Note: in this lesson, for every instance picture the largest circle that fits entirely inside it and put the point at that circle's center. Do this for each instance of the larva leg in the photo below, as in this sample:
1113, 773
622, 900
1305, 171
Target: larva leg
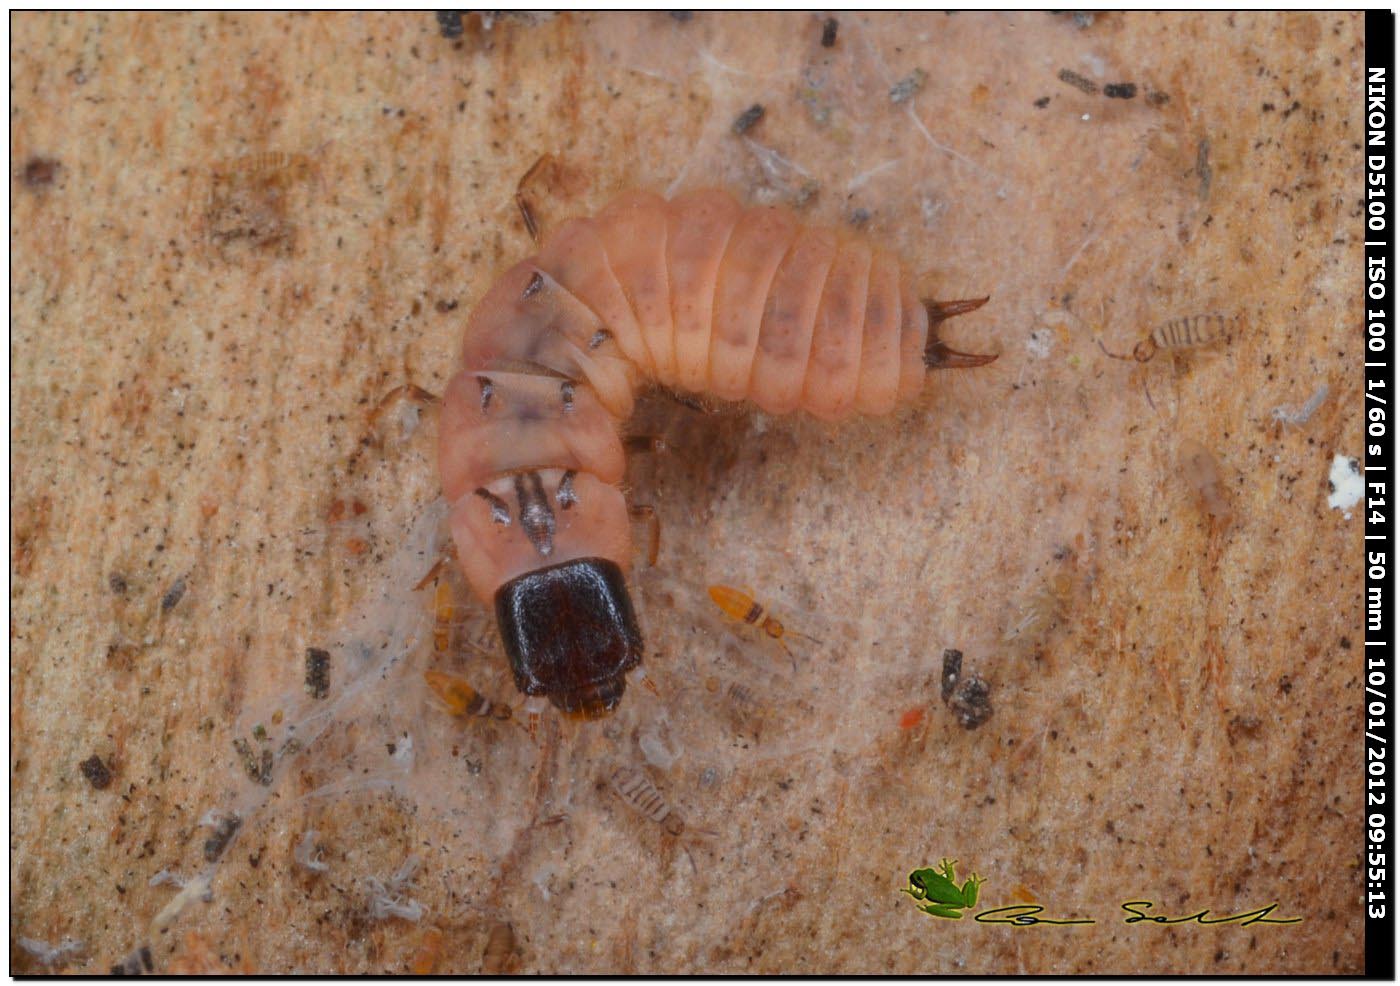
522, 201
404, 392
646, 512
937, 354
407, 391
639, 676
433, 573
534, 708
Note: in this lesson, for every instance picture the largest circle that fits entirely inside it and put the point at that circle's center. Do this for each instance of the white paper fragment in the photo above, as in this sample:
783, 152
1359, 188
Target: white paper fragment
1345, 483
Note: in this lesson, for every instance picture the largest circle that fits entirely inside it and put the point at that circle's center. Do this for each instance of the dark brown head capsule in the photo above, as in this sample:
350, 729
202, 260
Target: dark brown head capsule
571, 634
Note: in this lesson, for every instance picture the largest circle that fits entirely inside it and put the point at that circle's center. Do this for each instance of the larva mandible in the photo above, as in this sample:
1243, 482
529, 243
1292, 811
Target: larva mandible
698, 294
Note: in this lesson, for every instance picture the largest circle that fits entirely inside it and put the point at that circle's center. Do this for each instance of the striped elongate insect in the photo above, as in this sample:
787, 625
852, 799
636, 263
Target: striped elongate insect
635, 787
697, 294
1188, 332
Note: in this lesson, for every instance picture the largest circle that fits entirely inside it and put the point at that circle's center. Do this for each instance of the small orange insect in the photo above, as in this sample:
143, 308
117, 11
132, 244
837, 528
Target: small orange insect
443, 611
462, 699
741, 606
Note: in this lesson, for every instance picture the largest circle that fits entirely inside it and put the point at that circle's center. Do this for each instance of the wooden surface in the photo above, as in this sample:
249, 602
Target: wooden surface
233, 235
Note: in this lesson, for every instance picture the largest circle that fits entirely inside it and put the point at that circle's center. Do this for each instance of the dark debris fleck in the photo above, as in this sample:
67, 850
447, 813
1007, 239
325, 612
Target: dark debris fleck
450, 23
748, 119
215, 845
908, 87
257, 764
318, 672
969, 699
136, 962
1072, 78
971, 703
173, 595
98, 774
40, 172
952, 672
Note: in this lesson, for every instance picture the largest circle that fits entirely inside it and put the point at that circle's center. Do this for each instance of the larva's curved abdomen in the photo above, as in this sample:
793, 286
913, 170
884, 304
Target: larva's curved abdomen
698, 294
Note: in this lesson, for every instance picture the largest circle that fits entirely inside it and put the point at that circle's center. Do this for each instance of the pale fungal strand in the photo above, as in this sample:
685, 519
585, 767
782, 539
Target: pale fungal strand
1301, 415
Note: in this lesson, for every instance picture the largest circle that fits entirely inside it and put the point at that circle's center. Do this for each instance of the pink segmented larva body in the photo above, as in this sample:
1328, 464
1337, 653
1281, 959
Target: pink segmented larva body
698, 294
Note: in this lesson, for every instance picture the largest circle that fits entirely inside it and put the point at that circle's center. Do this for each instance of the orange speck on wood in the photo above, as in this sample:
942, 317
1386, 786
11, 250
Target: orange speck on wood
911, 718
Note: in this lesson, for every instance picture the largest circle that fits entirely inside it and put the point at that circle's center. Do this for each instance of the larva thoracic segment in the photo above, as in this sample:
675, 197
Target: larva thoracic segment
697, 294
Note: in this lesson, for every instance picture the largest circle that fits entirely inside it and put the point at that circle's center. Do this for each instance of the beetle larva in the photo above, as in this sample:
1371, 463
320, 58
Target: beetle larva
697, 294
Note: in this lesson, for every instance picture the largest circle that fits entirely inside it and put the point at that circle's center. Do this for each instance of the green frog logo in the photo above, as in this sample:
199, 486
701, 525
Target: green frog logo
940, 891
